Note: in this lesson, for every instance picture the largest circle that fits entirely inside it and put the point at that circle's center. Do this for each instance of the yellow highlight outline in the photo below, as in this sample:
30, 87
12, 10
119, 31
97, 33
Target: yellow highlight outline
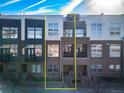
75, 63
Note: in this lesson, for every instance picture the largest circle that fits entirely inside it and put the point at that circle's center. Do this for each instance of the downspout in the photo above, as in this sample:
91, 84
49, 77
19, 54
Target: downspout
122, 57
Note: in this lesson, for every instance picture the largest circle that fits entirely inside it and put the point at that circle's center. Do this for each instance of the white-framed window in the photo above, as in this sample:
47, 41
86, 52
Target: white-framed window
96, 50
115, 29
9, 32
96, 29
34, 32
79, 32
96, 67
36, 68
114, 50
68, 33
53, 68
114, 68
53, 50
53, 29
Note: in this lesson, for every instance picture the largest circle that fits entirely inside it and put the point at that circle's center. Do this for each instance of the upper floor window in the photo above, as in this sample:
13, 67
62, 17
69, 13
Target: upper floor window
34, 32
53, 50
68, 50
115, 29
68, 33
81, 50
114, 50
79, 32
96, 50
11, 49
34, 50
96, 29
53, 29
9, 32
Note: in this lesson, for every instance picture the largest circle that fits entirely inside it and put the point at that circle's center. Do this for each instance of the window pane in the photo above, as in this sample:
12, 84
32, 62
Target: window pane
38, 50
96, 50
39, 33
53, 50
114, 50
30, 32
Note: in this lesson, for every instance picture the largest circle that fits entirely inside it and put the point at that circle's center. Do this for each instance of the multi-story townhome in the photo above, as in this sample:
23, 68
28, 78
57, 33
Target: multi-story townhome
99, 45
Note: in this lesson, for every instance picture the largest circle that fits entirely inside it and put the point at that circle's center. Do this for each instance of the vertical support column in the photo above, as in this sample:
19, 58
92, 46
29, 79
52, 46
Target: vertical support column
45, 66
122, 57
75, 63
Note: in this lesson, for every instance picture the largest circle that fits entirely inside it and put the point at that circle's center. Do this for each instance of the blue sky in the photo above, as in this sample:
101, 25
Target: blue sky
36, 7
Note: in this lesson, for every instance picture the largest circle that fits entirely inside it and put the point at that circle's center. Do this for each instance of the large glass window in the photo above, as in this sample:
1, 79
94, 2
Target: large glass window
9, 32
96, 50
68, 33
53, 29
68, 50
96, 29
11, 49
115, 29
81, 50
36, 68
34, 50
114, 50
34, 32
79, 32
53, 50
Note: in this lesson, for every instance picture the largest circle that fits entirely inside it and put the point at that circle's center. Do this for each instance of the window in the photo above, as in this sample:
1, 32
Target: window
34, 32
114, 68
114, 50
36, 68
115, 29
68, 33
52, 68
96, 68
38, 50
68, 50
53, 50
81, 50
14, 50
11, 49
96, 50
9, 32
79, 32
34, 49
96, 29
53, 29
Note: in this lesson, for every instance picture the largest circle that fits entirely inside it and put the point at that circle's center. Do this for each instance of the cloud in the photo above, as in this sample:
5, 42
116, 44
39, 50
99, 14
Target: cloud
9, 3
70, 6
42, 10
33, 5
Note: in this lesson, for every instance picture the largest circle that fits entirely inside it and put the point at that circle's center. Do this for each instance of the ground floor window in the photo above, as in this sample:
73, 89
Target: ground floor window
96, 68
114, 68
53, 68
24, 67
36, 68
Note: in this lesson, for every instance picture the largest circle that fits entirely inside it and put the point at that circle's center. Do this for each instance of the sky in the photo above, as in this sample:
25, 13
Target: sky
62, 7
